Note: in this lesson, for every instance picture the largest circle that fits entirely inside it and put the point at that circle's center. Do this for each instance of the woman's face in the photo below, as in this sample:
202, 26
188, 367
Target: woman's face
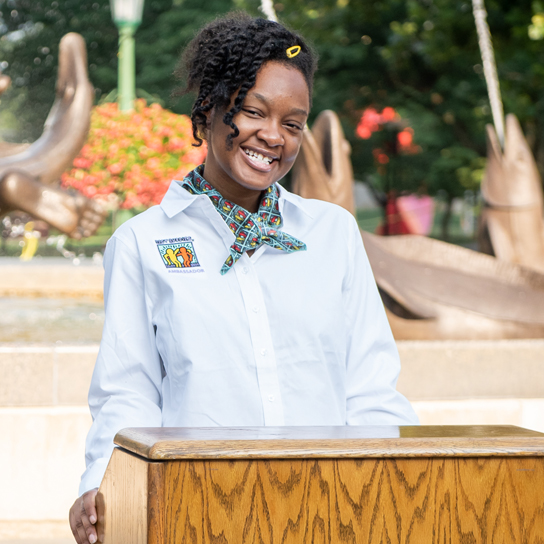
271, 124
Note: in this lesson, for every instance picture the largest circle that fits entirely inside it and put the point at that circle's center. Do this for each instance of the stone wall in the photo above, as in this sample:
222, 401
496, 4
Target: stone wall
44, 416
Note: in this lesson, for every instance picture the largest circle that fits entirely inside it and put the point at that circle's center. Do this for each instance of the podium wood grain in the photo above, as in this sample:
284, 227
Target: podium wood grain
434, 499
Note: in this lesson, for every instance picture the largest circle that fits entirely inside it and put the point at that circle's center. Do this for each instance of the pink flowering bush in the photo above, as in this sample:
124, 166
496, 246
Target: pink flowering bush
130, 159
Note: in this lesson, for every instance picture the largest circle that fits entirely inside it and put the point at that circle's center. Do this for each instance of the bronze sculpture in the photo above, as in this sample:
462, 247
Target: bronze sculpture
29, 173
431, 289
322, 157
512, 227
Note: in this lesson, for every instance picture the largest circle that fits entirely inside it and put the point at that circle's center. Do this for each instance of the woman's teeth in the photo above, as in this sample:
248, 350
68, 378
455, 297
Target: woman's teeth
258, 156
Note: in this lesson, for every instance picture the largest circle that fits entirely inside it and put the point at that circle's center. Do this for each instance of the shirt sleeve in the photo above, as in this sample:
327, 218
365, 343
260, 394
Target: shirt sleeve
126, 384
373, 363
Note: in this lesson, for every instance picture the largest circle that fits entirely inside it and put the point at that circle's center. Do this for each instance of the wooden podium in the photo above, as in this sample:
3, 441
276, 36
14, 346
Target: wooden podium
304, 485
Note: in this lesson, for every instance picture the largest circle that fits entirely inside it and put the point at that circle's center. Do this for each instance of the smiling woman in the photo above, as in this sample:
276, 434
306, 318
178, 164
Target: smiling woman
235, 302
254, 83
270, 127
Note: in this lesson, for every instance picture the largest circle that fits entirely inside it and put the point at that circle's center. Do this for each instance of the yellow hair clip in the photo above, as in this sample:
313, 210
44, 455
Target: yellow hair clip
293, 51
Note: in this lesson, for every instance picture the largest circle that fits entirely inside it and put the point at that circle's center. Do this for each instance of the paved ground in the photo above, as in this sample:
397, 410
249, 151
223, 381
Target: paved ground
50, 277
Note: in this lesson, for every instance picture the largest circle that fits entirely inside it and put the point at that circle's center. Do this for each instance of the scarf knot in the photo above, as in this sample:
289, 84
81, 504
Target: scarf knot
251, 230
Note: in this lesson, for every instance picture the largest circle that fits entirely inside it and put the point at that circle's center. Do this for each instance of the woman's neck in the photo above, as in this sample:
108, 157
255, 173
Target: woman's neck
249, 199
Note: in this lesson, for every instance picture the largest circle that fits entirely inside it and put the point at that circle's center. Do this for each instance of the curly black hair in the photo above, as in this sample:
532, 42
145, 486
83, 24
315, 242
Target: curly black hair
226, 55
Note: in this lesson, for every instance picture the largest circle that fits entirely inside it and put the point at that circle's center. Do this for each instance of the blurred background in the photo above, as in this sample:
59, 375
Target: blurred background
407, 81
418, 60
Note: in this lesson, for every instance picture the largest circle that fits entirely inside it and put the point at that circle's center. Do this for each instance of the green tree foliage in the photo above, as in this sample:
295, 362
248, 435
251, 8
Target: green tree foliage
30, 32
433, 61
159, 45
420, 57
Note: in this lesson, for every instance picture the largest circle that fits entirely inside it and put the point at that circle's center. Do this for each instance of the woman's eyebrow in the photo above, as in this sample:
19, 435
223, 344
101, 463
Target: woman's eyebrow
298, 110
263, 98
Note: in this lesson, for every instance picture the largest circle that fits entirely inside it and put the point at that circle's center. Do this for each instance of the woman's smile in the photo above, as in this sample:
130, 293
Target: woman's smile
259, 159
270, 125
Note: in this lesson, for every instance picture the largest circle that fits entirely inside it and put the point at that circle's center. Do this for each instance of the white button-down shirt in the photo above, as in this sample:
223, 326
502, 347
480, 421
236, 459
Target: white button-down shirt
281, 339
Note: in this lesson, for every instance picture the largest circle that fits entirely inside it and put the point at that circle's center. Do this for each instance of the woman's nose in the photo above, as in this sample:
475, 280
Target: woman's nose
271, 134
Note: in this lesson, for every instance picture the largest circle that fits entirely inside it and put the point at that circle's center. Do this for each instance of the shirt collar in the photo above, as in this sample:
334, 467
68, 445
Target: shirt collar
292, 199
177, 199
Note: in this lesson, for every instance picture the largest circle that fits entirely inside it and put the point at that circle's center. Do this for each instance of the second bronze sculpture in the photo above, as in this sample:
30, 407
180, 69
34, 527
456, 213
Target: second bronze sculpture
431, 289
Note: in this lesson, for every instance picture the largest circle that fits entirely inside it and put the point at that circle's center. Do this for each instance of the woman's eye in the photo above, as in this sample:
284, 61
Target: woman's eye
252, 112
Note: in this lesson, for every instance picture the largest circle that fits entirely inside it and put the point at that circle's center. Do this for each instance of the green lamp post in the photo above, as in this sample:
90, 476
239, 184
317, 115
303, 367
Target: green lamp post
127, 15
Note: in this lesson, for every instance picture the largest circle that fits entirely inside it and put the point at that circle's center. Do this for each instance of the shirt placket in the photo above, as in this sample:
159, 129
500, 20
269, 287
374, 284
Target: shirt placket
261, 339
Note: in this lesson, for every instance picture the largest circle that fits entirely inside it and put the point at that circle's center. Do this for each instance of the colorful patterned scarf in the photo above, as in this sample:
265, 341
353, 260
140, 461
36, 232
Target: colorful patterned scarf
251, 229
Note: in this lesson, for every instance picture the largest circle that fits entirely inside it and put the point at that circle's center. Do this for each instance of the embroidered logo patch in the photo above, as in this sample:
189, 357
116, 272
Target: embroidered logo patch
178, 253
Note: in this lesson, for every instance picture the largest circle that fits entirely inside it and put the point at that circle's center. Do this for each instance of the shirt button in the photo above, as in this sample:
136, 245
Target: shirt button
255, 309
244, 270
271, 398
263, 351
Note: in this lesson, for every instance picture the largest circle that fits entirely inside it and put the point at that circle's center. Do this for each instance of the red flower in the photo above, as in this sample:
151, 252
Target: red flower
175, 144
380, 156
115, 168
388, 114
363, 131
372, 121
80, 162
153, 163
405, 138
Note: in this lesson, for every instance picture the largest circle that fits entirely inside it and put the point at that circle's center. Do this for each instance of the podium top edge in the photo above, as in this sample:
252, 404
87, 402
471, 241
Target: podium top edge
171, 443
